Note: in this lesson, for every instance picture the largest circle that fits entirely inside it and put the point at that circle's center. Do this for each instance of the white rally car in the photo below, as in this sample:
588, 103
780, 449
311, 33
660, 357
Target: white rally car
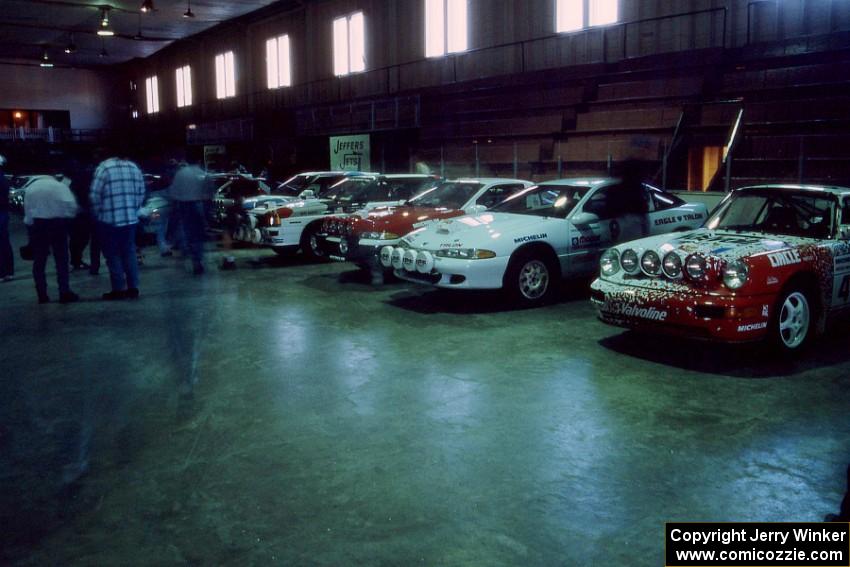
538, 235
296, 225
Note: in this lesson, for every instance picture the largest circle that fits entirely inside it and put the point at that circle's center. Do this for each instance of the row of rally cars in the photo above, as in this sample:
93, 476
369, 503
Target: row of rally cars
770, 262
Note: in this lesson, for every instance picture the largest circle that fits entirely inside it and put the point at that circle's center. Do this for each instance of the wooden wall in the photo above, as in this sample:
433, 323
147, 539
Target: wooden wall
395, 46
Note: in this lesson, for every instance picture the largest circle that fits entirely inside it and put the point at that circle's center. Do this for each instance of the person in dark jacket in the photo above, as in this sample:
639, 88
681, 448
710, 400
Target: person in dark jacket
82, 226
7, 258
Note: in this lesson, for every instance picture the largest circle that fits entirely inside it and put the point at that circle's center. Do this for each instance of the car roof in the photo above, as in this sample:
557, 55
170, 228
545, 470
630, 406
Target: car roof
486, 180
583, 181
833, 189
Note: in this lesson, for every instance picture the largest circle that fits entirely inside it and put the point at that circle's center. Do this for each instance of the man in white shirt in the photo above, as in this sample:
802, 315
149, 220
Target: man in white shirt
49, 207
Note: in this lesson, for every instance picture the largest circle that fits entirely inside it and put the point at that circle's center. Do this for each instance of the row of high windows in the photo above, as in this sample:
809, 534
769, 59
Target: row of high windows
446, 31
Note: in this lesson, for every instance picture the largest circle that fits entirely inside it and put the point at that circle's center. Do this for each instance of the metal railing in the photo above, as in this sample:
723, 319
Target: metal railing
602, 44
52, 135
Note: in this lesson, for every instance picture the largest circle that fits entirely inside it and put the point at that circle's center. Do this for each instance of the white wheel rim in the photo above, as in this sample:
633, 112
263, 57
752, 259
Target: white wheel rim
533, 279
794, 320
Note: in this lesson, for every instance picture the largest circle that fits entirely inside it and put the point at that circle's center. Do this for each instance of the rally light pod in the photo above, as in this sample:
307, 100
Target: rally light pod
424, 262
409, 260
387, 256
397, 258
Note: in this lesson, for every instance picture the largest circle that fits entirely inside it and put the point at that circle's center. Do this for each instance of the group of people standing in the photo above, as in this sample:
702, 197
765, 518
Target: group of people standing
104, 215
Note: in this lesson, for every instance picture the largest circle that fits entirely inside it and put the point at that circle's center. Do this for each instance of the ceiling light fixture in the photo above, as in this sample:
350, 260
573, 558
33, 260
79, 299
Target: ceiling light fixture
188, 13
104, 29
147, 6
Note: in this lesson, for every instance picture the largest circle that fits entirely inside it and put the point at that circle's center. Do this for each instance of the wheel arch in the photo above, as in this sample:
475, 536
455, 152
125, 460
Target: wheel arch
809, 282
538, 247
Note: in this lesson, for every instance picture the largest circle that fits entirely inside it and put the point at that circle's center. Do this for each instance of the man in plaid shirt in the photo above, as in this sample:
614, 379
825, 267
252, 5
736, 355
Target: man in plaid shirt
117, 194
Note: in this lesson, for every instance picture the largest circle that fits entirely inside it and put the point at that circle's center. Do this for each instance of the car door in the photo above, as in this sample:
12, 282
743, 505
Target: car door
841, 259
665, 215
587, 241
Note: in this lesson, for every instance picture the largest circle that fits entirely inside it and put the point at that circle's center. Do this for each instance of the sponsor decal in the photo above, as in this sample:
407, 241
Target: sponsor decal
771, 280
711, 238
752, 327
581, 241
786, 258
455, 244
765, 311
678, 218
626, 310
530, 238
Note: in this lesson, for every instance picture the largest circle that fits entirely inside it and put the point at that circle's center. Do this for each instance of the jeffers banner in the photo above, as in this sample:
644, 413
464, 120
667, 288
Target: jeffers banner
757, 545
350, 153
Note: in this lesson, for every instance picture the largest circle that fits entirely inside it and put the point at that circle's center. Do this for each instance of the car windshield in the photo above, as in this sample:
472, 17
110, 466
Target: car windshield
294, 185
543, 200
446, 195
351, 186
777, 211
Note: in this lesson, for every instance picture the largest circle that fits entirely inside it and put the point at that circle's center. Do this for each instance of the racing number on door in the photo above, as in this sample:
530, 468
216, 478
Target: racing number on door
841, 293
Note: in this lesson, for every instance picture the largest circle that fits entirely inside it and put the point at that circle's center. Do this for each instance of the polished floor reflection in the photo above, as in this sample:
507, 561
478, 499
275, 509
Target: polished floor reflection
290, 413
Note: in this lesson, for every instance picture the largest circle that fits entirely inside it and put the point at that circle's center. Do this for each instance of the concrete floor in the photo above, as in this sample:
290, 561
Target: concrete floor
291, 414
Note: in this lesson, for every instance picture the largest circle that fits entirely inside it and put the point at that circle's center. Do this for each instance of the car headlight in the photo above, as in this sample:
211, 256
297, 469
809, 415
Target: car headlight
629, 261
380, 236
672, 265
736, 274
695, 267
609, 264
650, 263
465, 253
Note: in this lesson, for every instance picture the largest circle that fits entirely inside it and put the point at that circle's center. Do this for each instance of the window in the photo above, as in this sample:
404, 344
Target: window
225, 76
184, 86
277, 62
446, 27
152, 94
498, 193
349, 44
573, 15
602, 12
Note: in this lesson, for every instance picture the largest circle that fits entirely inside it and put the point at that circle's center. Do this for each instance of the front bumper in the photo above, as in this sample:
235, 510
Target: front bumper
348, 249
738, 318
454, 273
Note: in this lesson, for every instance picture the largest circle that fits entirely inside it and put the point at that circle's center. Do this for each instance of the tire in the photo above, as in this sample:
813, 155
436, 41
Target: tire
792, 324
310, 243
531, 278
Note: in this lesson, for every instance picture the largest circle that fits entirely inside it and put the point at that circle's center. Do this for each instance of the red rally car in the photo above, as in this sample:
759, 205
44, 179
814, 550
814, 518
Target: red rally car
359, 238
772, 262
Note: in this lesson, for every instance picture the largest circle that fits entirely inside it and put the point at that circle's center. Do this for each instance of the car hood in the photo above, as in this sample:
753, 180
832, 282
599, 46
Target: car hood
401, 220
501, 232
721, 244
253, 202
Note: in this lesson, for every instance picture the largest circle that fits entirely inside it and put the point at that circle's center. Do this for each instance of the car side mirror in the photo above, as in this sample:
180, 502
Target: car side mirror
477, 209
307, 194
584, 219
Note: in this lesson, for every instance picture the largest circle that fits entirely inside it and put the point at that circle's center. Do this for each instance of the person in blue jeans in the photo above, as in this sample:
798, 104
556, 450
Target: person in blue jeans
49, 207
189, 193
7, 257
117, 194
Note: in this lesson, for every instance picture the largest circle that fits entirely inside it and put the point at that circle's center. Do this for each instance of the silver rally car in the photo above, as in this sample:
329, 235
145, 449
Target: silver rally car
538, 235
